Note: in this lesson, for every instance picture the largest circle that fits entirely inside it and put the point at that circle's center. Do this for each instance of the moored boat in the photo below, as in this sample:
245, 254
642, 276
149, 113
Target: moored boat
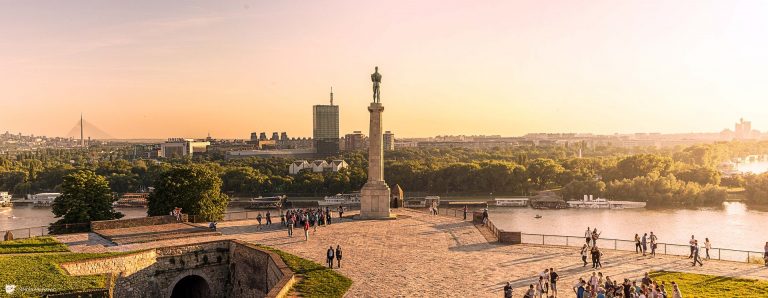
600, 203
349, 199
511, 202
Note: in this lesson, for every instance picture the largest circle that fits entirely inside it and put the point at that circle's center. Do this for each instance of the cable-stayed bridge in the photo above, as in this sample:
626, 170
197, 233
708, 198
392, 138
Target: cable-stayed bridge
88, 130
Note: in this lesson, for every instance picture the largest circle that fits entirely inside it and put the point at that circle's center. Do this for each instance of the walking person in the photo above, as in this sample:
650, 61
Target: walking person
315, 223
485, 216
692, 243
269, 218
338, 256
638, 248
596, 254
588, 235
595, 235
465, 212
765, 257
696, 257
540, 287
553, 278
306, 230
258, 218
644, 243
653, 244
508, 290
328, 217
290, 226
330, 255
341, 212
707, 246
584, 250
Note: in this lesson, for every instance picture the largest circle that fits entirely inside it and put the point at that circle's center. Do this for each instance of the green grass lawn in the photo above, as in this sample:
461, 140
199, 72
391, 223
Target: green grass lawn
700, 285
37, 244
319, 281
41, 271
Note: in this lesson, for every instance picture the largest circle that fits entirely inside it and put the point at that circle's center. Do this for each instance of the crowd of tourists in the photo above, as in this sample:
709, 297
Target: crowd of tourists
597, 286
307, 219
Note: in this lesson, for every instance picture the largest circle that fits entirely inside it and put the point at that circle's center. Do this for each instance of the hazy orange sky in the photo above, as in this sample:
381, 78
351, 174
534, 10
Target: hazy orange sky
159, 69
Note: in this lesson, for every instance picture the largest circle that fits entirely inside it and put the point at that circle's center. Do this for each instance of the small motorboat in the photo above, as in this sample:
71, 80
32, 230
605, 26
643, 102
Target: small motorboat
537, 216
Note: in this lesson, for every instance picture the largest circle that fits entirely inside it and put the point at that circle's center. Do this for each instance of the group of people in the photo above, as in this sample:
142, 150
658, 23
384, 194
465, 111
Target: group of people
598, 287
306, 218
641, 244
330, 254
176, 212
590, 248
695, 250
546, 286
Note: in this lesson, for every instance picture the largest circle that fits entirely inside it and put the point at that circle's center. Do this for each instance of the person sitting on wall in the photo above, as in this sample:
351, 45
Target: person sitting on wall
212, 226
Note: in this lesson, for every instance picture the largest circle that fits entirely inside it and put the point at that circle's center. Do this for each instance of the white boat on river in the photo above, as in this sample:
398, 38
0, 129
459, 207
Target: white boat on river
601, 203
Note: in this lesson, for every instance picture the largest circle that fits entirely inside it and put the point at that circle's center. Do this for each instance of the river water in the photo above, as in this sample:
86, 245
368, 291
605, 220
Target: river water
733, 226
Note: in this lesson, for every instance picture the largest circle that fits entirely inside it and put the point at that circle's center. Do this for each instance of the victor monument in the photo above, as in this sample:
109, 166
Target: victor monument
374, 203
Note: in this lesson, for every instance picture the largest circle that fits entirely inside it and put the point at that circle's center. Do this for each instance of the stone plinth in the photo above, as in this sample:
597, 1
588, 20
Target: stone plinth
374, 200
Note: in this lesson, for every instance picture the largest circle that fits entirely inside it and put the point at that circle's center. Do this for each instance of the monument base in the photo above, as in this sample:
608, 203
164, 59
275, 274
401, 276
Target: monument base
374, 201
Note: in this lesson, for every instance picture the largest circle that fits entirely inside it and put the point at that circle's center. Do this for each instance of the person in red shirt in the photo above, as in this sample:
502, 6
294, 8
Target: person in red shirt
306, 230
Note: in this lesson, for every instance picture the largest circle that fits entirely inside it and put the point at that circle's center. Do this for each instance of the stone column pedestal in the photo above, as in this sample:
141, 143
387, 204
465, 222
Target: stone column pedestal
375, 195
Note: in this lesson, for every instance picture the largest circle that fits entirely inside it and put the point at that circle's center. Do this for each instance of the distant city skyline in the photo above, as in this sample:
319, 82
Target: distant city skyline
161, 69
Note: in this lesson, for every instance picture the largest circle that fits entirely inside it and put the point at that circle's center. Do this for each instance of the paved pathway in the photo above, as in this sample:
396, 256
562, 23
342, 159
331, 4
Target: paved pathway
419, 255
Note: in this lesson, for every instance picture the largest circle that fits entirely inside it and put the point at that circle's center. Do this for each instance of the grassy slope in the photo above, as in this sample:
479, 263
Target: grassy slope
43, 272
31, 245
319, 281
699, 285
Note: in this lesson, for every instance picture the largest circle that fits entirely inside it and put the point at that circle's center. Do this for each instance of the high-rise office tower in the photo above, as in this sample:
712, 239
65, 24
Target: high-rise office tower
325, 128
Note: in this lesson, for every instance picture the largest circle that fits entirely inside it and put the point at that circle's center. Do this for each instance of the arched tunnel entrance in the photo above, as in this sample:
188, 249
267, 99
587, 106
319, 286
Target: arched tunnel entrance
192, 286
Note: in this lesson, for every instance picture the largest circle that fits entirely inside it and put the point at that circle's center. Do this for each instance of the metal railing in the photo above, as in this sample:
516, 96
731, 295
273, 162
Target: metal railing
724, 254
30, 232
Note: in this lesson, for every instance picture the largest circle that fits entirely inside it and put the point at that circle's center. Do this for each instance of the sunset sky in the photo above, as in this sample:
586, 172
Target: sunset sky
159, 69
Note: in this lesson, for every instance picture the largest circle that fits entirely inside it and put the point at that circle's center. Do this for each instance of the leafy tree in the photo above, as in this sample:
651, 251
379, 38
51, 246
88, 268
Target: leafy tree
544, 171
576, 190
640, 165
194, 188
85, 197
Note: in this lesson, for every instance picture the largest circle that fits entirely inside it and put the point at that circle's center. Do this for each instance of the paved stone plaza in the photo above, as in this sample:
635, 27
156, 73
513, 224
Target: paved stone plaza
419, 255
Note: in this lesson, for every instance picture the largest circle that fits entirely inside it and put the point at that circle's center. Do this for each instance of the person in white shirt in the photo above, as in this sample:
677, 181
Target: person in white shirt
707, 246
692, 243
594, 281
676, 291
588, 235
545, 277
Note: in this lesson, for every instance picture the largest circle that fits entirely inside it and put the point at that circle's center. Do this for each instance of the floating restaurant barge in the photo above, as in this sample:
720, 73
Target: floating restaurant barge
132, 200
275, 202
590, 203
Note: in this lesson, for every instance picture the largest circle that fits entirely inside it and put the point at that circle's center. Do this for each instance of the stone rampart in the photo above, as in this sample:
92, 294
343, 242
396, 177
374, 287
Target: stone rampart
120, 265
257, 272
134, 222
226, 268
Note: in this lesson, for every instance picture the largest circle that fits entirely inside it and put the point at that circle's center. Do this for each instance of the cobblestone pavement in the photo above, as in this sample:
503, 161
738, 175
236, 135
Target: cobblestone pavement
419, 255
